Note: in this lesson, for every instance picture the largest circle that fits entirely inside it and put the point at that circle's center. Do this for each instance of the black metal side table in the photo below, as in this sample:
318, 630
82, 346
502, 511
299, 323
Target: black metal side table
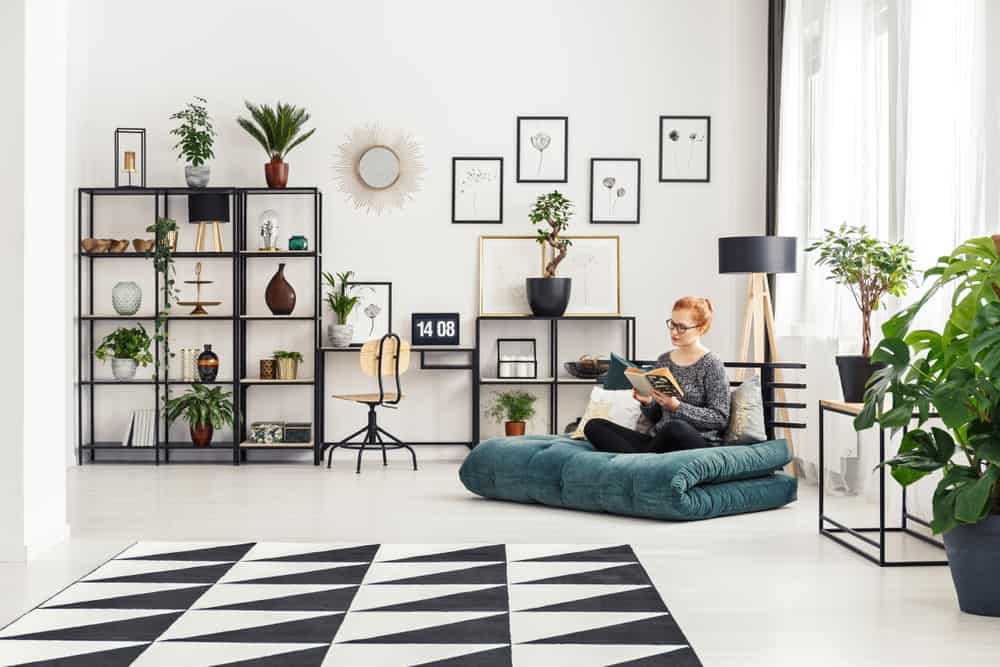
862, 534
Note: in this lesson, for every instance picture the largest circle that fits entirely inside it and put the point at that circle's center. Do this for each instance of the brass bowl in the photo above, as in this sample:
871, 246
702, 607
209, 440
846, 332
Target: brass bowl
119, 245
142, 245
101, 245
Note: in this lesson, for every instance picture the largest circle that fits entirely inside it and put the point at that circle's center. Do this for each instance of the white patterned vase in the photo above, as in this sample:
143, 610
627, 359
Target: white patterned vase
341, 335
126, 297
123, 369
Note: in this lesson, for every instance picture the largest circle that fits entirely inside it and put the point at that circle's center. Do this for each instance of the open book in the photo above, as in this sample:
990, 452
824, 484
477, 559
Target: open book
658, 379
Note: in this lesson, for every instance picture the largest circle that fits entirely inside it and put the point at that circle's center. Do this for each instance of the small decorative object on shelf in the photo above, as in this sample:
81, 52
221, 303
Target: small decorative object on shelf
143, 245
298, 243
199, 305
205, 208
278, 132
189, 364
127, 348
204, 409
126, 297
513, 409
341, 303
267, 433
516, 358
548, 296
280, 295
268, 369
268, 230
300, 432
588, 367
288, 364
208, 365
130, 157
195, 141
434, 328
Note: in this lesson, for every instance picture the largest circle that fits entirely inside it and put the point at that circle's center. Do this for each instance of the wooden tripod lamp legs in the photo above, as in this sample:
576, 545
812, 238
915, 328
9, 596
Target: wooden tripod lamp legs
199, 245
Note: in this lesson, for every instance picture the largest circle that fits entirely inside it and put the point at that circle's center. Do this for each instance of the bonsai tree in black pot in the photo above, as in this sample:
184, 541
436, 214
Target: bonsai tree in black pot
548, 296
956, 372
871, 269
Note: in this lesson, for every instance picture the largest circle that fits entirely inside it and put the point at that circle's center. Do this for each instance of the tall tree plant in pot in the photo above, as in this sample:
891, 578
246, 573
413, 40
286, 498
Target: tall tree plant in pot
548, 296
955, 372
871, 269
278, 130
195, 136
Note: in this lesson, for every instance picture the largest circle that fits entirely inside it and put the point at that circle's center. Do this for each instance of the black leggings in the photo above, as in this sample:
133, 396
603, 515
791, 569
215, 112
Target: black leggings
606, 436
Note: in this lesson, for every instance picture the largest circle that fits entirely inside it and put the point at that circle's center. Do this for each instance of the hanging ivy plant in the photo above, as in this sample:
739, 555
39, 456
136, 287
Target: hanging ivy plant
162, 253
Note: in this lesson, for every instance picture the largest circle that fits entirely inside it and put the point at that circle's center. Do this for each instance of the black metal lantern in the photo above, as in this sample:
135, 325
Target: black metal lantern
516, 358
130, 157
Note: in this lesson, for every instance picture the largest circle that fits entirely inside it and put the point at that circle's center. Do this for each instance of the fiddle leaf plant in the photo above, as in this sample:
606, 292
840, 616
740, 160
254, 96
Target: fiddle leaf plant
341, 303
953, 372
200, 406
553, 210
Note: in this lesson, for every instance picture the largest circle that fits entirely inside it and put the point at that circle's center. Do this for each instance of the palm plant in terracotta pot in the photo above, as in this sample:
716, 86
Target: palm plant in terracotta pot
278, 130
204, 410
513, 409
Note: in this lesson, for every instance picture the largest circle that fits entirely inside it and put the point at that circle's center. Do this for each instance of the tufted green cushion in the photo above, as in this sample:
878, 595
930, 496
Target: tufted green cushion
686, 485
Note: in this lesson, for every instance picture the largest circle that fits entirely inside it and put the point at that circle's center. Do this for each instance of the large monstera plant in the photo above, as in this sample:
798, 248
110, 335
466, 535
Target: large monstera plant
955, 373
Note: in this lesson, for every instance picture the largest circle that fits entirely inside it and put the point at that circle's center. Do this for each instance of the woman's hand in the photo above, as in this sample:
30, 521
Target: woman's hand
645, 400
666, 402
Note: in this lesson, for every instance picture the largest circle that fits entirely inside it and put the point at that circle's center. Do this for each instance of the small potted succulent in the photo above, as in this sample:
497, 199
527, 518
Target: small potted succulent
278, 131
288, 364
204, 410
341, 303
512, 409
195, 137
127, 347
548, 296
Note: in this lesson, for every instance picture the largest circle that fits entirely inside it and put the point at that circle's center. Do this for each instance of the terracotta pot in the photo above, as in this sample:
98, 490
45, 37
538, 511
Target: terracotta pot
276, 173
201, 435
279, 295
513, 428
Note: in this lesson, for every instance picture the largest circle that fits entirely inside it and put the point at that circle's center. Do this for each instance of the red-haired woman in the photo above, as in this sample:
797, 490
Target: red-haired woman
696, 420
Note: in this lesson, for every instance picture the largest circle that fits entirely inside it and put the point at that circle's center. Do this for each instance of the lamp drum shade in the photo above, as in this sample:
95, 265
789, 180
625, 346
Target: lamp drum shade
757, 254
208, 207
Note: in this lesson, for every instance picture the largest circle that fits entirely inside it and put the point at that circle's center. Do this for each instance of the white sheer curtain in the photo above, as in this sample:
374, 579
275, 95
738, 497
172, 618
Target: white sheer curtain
889, 119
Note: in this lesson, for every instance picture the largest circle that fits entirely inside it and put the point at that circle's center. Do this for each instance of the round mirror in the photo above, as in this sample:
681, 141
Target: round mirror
378, 167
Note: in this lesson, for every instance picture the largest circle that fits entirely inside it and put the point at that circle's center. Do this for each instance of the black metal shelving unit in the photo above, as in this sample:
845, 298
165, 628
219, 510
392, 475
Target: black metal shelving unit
553, 381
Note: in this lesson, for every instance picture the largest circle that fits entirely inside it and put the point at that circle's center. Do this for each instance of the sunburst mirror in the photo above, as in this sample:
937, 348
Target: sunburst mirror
379, 169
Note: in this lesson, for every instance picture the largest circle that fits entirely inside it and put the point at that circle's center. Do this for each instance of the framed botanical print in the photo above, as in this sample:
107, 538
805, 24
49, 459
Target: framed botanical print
372, 316
477, 190
614, 190
685, 149
542, 149
504, 263
594, 264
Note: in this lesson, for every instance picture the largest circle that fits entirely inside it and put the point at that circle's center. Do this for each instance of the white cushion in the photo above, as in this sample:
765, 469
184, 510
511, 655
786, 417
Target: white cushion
615, 405
746, 414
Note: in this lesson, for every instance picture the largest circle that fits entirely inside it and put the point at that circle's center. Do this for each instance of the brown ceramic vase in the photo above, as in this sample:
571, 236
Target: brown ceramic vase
201, 435
279, 296
276, 173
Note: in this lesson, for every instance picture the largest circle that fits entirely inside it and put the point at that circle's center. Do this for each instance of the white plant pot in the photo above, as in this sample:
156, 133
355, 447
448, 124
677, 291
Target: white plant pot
197, 177
341, 335
124, 369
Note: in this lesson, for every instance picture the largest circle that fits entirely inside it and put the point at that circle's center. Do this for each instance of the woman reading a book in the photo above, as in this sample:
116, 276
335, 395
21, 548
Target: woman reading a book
692, 407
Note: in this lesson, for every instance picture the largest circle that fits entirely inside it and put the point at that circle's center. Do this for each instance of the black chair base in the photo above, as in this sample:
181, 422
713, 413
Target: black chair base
372, 442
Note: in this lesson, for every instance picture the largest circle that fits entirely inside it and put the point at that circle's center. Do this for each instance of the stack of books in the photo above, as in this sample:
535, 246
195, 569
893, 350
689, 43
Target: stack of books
141, 429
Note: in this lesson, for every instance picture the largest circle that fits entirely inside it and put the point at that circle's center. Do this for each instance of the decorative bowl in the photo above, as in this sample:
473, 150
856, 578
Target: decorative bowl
143, 245
119, 245
89, 245
101, 245
574, 369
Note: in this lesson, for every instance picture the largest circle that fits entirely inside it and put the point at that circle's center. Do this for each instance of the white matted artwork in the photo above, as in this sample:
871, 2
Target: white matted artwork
477, 190
372, 316
504, 263
593, 262
685, 149
614, 190
542, 149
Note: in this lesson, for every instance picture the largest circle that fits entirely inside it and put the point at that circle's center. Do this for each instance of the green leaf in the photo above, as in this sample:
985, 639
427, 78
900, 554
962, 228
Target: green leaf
943, 505
973, 500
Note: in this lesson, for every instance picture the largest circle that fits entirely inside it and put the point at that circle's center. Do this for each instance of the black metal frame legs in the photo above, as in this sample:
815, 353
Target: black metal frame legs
372, 440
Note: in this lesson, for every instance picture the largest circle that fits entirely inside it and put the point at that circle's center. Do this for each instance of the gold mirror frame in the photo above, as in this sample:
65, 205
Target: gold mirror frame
394, 195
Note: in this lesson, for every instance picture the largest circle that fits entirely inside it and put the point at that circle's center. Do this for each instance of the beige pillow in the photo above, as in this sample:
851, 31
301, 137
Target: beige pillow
615, 405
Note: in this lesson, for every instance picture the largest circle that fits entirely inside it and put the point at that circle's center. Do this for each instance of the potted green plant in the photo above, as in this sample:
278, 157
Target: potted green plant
195, 137
278, 130
127, 347
871, 269
953, 370
341, 303
204, 410
288, 364
548, 296
162, 254
513, 409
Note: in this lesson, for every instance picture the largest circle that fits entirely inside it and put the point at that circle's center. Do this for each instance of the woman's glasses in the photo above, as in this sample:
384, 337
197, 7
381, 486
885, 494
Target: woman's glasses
677, 327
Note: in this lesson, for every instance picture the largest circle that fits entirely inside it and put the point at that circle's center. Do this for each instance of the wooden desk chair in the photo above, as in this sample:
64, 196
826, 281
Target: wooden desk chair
385, 356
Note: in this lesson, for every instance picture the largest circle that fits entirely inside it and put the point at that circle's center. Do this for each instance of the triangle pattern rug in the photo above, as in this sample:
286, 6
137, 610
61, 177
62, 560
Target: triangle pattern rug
304, 604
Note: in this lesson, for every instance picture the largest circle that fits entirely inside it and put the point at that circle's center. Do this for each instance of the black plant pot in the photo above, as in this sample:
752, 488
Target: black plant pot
855, 371
973, 552
548, 297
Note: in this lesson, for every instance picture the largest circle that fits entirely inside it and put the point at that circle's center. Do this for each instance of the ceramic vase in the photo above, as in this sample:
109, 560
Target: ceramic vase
280, 296
197, 177
341, 335
123, 369
276, 173
298, 242
208, 365
126, 297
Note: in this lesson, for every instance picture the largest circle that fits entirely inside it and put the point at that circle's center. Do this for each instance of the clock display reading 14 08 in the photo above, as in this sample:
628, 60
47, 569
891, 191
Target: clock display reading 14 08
434, 329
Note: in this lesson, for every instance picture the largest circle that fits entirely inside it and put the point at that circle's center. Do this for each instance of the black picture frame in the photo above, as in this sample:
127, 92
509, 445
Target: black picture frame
565, 166
533, 361
388, 285
454, 185
638, 190
708, 151
141, 132
417, 338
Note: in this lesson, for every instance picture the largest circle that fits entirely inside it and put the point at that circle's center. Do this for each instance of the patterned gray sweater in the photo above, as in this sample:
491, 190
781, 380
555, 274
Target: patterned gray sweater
706, 396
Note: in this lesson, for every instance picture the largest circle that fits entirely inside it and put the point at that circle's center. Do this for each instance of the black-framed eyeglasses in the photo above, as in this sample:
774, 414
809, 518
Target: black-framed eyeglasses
677, 327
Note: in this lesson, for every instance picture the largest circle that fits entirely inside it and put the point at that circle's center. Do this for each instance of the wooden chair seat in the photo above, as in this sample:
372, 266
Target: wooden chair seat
367, 398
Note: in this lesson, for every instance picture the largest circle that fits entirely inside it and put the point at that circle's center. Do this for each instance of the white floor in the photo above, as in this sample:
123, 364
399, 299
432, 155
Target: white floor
762, 589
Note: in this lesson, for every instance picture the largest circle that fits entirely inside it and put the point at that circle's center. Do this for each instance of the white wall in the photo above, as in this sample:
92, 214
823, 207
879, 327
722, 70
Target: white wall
455, 74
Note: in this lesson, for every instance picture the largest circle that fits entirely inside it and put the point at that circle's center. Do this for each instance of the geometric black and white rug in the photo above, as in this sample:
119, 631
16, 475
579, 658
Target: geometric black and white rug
266, 604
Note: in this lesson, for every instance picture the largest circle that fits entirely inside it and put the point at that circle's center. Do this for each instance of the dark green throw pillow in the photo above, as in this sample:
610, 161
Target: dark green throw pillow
615, 378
